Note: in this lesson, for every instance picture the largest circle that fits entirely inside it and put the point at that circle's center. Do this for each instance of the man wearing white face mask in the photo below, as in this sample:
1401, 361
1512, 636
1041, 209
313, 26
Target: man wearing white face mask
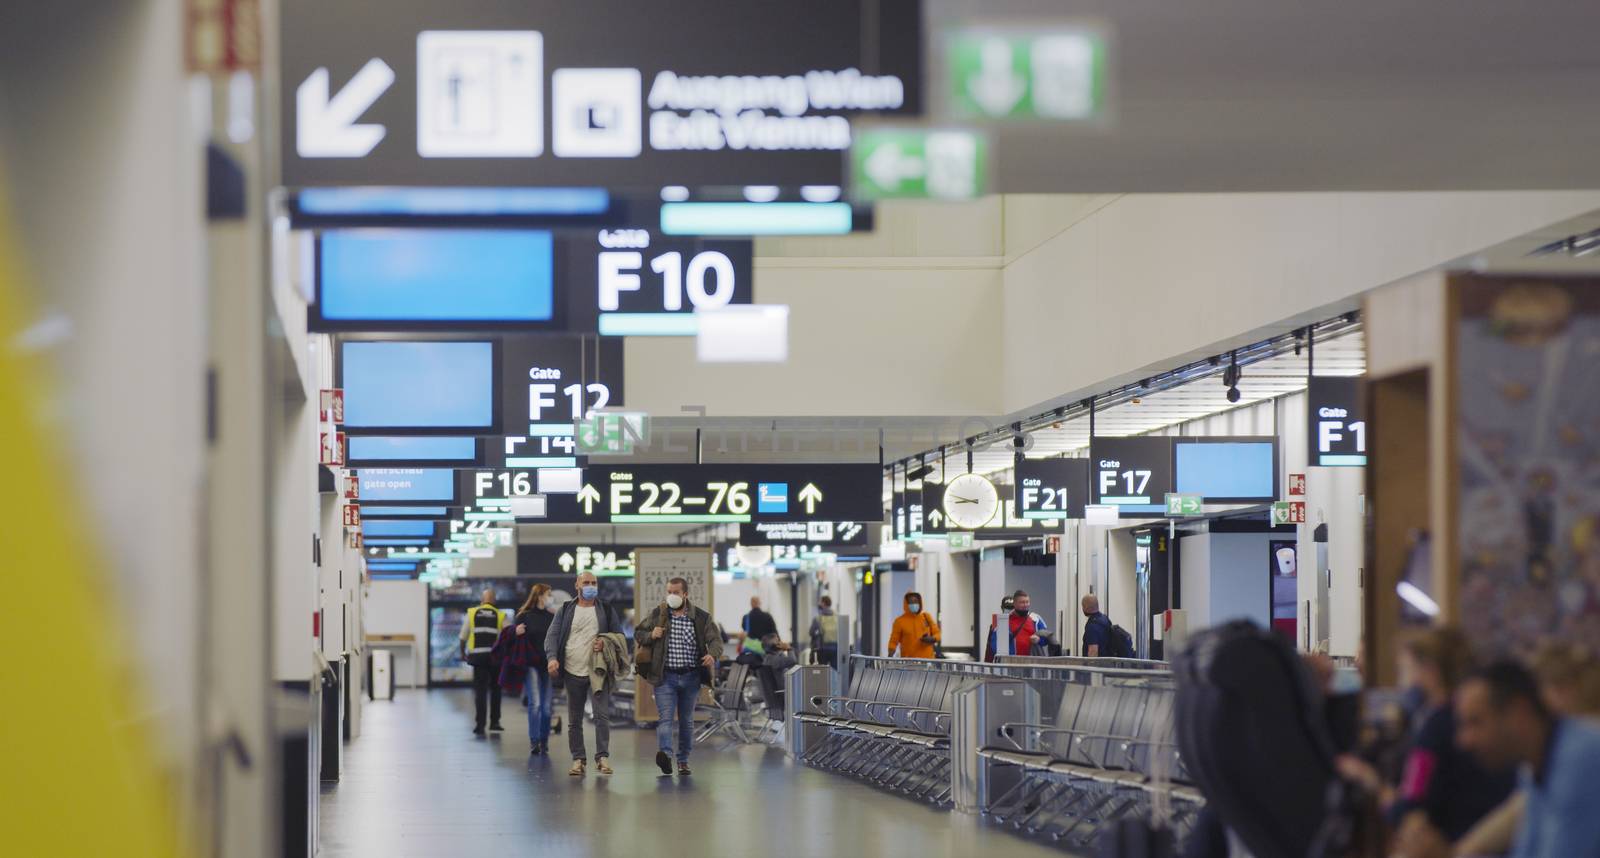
572, 645
679, 644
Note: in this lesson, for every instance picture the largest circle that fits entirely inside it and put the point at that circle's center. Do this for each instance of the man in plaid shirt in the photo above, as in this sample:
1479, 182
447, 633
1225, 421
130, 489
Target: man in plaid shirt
684, 645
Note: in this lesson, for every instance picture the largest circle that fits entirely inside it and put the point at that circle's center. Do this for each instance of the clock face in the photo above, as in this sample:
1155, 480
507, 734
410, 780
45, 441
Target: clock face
970, 501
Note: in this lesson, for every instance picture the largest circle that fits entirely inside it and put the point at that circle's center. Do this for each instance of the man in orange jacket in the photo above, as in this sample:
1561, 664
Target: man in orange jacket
914, 633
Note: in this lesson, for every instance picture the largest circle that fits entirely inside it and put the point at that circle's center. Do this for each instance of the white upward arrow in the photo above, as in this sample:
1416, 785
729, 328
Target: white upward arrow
936, 518
809, 496
996, 87
587, 497
326, 127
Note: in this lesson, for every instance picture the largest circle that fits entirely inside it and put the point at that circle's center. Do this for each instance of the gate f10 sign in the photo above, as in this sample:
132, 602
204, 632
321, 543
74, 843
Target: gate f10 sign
692, 92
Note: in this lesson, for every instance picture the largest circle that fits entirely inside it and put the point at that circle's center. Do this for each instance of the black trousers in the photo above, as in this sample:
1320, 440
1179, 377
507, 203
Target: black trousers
485, 691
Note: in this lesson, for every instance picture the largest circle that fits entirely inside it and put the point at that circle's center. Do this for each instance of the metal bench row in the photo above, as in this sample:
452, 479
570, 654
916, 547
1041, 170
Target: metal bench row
1110, 751
891, 727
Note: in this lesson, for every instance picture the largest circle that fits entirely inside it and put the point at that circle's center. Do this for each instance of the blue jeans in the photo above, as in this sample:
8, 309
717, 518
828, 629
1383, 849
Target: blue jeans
675, 700
539, 698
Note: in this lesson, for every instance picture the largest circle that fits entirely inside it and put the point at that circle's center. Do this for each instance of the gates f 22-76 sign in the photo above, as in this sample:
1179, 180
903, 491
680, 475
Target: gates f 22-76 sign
606, 93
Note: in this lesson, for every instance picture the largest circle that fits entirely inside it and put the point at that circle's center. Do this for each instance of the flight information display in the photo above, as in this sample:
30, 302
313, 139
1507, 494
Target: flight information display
1227, 469
377, 279
383, 449
418, 385
408, 485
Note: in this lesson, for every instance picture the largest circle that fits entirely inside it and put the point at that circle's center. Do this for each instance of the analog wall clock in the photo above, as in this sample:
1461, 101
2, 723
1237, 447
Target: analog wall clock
970, 502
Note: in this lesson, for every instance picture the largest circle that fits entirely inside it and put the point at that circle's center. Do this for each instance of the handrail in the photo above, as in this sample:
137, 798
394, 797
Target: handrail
1085, 661
1003, 669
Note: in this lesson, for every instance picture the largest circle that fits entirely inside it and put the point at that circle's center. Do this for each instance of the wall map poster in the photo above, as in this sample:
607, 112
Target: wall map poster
1528, 458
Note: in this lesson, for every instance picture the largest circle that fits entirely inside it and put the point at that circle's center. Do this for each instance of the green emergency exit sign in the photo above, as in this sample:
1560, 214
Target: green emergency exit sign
1178, 505
919, 163
1049, 74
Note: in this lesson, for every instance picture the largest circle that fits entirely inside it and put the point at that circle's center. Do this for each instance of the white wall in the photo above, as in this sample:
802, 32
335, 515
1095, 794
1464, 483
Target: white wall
400, 608
1239, 578
1194, 571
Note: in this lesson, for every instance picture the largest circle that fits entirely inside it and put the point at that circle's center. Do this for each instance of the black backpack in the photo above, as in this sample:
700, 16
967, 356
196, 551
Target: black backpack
1119, 644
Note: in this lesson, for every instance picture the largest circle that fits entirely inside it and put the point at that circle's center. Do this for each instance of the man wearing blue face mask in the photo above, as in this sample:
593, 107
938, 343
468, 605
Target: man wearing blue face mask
572, 645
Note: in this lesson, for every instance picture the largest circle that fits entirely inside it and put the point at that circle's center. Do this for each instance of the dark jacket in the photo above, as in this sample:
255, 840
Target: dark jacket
707, 637
555, 640
758, 624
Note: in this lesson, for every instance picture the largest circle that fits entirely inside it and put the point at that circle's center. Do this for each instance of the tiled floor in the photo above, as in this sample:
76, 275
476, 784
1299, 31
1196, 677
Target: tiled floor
417, 784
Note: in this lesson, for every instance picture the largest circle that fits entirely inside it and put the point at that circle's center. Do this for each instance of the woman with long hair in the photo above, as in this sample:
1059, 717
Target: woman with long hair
532, 623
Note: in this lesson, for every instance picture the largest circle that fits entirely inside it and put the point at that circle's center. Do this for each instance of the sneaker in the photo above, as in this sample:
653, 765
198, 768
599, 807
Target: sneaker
664, 761
683, 770
577, 768
601, 766
537, 749
496, 728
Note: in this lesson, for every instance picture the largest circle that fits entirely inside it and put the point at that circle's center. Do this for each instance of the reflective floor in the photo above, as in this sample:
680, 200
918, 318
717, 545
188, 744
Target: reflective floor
418, 784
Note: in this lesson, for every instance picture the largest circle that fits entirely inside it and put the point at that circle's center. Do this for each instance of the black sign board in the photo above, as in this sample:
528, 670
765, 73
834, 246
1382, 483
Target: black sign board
1052, 488
637, 271
1134, 473
700, 494
1336, 421
551, 381
1010, 524
899, 527
825, 533
571, 559
607, 93
933, 522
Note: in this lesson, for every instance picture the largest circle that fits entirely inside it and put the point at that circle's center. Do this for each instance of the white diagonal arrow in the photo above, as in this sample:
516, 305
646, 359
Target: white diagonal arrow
326, 127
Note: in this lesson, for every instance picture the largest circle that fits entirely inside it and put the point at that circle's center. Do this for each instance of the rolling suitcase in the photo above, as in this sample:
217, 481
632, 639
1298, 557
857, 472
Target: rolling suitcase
1253, 737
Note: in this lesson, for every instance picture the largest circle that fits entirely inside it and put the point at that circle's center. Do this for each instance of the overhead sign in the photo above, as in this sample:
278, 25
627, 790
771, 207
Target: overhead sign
934, 522
695, 92
919, 163
959, 541
551, 382
826, 533
735, 493
1184, 505
571, 559
1134, 473
1336, 418
1052, 488
611, 432
635, 282
1009, 523
1226, 468
1052, 74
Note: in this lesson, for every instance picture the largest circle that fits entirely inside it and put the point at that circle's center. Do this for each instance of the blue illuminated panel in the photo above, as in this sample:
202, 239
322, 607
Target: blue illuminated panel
408, 484
756, 218
407, 511
454, 202
418, 542
382, 566
1238, 471
396, 385
397, 528
419, 448
444, 275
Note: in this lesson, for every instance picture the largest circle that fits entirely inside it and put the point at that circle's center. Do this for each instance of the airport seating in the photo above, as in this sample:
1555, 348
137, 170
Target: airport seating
1109, 751
891, 728
730, 709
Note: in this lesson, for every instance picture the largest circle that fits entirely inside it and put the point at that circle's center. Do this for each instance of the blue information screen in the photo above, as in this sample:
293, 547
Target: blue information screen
407, 484
437, 275
397, 528
1238, 470
418, 448
407, 511
418, 385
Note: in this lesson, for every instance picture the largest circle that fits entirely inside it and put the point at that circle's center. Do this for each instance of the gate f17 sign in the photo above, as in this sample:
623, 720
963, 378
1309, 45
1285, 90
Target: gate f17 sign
692, 92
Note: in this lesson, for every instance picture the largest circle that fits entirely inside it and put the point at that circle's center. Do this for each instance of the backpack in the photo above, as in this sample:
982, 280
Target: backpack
1119, 644
828, 625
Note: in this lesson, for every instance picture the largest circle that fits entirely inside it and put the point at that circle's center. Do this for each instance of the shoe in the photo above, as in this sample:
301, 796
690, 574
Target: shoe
496, 728
577, 768
555, 726
601, 766
537, 749
664, 761
477, 731
683, 770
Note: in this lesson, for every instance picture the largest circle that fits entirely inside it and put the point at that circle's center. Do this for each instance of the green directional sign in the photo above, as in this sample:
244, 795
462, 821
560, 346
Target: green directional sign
610, 432
1034, 74
1183, 504
919, 163
958, 541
